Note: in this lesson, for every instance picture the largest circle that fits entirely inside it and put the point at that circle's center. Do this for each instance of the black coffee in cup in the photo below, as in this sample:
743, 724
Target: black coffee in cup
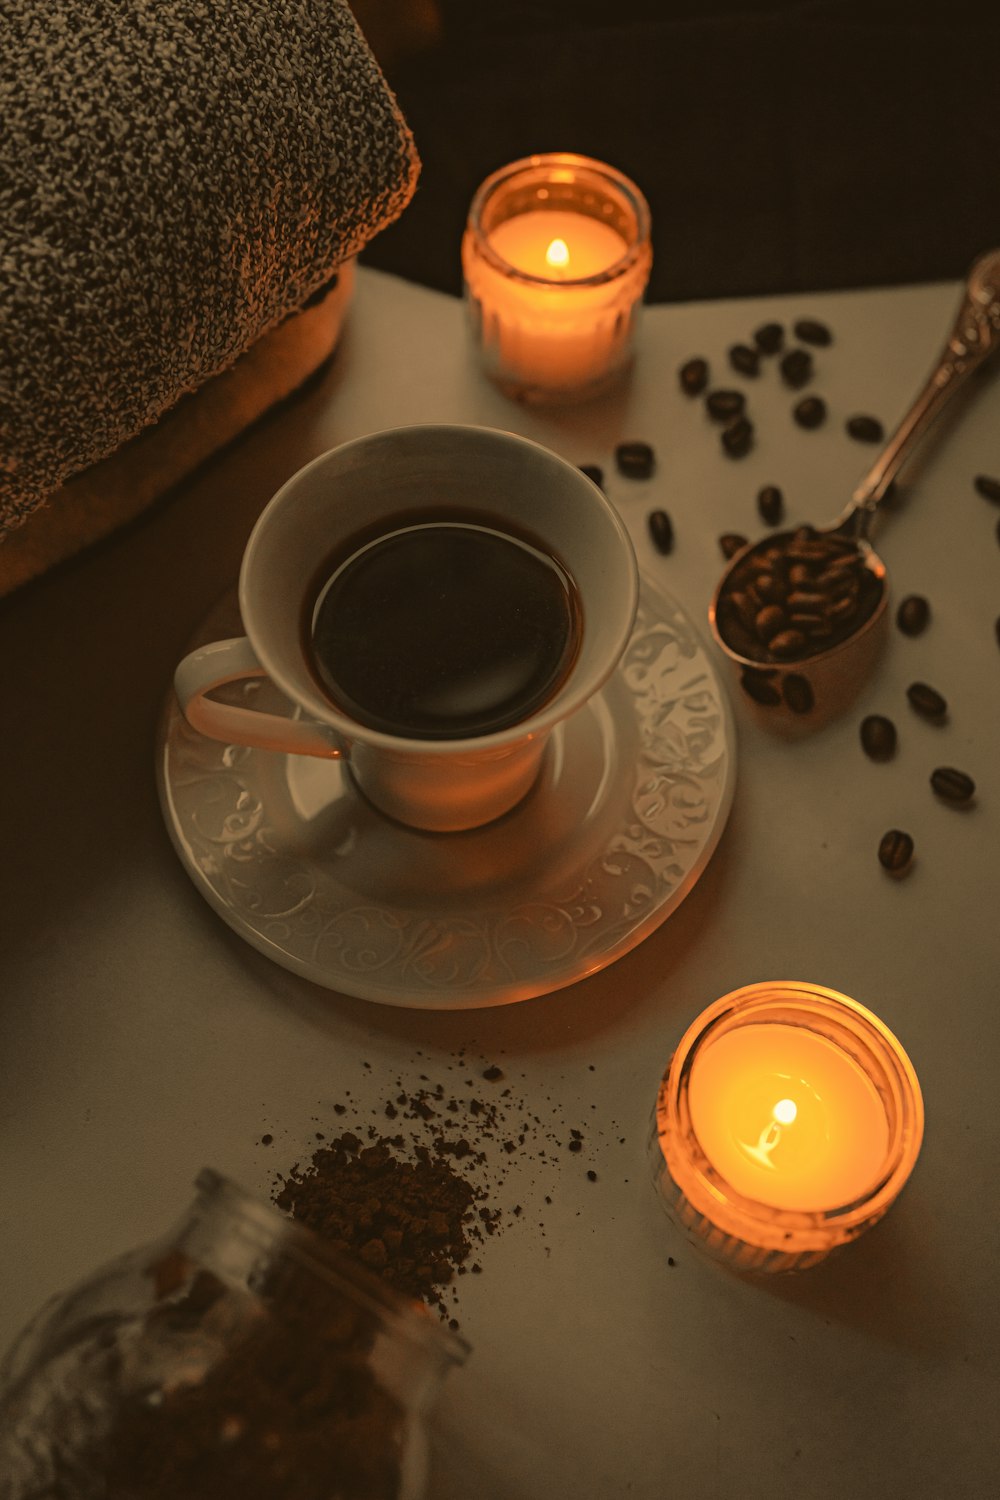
442, 627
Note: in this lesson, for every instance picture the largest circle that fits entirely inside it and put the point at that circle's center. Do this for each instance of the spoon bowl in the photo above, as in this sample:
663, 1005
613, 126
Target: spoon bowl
802, 615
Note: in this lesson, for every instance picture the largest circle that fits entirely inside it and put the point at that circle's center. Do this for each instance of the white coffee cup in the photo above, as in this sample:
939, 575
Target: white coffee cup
445, 784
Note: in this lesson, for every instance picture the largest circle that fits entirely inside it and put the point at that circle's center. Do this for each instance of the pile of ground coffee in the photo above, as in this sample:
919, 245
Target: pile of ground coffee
410, 1189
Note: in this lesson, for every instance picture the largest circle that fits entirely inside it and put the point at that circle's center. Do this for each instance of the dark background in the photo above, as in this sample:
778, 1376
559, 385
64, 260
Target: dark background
796, 146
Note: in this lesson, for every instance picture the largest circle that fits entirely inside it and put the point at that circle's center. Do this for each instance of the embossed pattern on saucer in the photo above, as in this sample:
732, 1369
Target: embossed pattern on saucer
630, 805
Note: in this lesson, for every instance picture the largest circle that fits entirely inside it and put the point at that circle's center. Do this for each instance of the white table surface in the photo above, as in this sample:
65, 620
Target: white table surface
141, 1039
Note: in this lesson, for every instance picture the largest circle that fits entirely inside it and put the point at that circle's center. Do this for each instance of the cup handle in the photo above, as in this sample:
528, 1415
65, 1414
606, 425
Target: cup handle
228, 661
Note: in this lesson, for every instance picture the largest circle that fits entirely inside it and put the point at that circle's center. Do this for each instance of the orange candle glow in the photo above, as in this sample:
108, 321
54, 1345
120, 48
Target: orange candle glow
788, 1121
555, 257
787, 1117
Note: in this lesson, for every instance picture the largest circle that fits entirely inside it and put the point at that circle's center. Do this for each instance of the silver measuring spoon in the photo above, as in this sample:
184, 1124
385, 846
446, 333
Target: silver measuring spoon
801, 615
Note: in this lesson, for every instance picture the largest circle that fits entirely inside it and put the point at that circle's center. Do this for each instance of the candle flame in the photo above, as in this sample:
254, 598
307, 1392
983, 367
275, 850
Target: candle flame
557, 255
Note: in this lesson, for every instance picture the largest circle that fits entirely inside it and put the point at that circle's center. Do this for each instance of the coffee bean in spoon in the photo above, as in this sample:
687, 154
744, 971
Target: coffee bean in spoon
895, 851
953, 786
913, 614
636, 460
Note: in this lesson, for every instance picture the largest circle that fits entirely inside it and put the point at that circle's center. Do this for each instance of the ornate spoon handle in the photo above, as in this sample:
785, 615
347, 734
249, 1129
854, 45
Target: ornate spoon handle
974, 337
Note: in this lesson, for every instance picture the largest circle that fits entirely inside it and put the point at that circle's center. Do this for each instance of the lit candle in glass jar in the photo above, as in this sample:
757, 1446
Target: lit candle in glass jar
556, 257
788, 1121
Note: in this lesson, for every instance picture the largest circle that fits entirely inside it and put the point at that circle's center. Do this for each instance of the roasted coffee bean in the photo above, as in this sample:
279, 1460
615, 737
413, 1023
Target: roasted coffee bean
768, 587
926, 701
953, 786
759, 687
770, 621
878, 737
810, 411
769, 338
865, 429
693, 376
798, 693
661, 530
635, 460
770, 504
812, 332
594, 472
996, 629
988, 487
737, 438
731, 542
722, 405
796, 368
788, 643
745, 359
913, 614
895, 851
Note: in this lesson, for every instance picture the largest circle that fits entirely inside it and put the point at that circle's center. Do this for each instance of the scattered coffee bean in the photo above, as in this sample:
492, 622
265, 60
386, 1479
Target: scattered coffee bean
770, 504
721, 405
796, 368
737, 438
798, 693
812, 332
693, 375
810, 411
996, 629
731, 542
953, 786
769, 338
635, 460
988, 487
926, 701
878, 737
865, 429
594, 472
661, 530
998, 531
895, 851
913, 614
745, 359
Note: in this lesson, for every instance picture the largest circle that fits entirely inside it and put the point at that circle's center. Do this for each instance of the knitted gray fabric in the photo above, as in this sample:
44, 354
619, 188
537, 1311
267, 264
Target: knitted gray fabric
176, 177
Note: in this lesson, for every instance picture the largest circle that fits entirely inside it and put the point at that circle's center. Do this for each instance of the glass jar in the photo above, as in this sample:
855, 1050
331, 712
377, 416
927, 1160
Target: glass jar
787, 1123
556, 256
237, 1358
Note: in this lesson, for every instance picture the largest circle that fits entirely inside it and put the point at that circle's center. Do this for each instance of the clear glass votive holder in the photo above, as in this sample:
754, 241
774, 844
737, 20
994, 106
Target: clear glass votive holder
556, 257
786, 1054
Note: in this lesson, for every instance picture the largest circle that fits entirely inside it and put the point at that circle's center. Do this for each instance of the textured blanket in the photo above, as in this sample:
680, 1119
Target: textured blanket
176, 178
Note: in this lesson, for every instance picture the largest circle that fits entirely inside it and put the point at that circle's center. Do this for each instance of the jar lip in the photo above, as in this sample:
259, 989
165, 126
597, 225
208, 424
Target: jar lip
796, 1003
408, 1318
569, 165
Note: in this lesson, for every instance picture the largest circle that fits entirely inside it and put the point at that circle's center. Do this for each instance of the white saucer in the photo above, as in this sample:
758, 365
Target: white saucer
629, 807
